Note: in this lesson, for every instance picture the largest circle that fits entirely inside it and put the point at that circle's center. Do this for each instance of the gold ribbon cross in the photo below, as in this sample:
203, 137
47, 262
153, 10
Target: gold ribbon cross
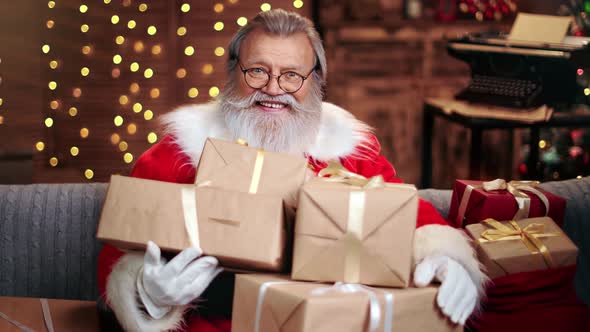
529, 235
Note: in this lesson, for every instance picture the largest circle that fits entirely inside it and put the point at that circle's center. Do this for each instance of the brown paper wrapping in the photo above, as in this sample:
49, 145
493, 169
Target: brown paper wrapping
231, 166
66, 315
320, 244
512, 256
291, 307
240, 229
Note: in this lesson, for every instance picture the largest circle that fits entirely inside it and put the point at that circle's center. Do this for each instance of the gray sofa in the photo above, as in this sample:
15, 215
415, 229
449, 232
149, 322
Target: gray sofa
48, 246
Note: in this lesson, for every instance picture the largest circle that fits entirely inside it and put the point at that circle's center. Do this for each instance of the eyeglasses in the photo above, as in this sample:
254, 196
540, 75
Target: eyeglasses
258, 78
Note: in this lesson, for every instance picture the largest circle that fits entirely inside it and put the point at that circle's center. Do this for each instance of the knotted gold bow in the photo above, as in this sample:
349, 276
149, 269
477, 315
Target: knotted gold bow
338, 173
529, 235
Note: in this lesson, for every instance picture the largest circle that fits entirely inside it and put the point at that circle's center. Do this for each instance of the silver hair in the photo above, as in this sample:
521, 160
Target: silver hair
282, 23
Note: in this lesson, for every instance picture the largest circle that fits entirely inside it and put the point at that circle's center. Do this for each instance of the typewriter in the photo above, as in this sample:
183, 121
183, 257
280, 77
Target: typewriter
524, 74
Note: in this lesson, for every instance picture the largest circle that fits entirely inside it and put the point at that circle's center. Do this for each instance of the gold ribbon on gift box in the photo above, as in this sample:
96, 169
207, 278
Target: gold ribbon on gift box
516, 188
257, 172
356, 212
529, 236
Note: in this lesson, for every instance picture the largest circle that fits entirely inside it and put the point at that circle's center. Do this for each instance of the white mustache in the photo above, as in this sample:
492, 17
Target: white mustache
249, 101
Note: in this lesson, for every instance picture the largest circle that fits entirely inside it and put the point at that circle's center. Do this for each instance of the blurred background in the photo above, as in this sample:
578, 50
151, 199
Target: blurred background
82, 82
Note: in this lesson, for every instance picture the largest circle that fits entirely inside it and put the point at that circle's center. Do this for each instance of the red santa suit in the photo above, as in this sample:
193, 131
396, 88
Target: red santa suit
341, 136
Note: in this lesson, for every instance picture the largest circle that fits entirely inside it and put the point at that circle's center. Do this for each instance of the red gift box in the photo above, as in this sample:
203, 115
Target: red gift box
499, 204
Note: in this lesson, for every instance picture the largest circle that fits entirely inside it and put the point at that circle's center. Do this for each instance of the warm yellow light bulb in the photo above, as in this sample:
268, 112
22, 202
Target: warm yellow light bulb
181, 73
120, 40
118, 120
137, 107
193, 92
152, 30
45, 48
265, 7
84, 132
89, 174
50, 24
40, 146
132, 128
207, 69
587, 91
152, 137
154, 93
123, 100
86, 50
117, 59
73, 111
218, 8
218, 26
143, 7
242, 21
115, 19
297, 4
85, 71
156, 49
53, 64
84, 28
123, 146
134, 88
214, 91
189, 50
48, 122
83, 9
138, 46
52, 85
74, 151
51, 4
131, 24
148, 73
115, 138
185, 8
107, 2
53, 161
219, 51
54, 104
134, 67
128, 158
181, 31
148, 115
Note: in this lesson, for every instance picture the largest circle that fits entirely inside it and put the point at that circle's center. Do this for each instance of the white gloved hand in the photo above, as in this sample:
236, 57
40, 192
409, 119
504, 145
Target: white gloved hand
162, 286
457, 295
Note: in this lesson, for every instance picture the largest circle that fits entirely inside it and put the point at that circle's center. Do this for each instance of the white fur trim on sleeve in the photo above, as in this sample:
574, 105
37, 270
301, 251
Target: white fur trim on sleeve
444, 240
123, 299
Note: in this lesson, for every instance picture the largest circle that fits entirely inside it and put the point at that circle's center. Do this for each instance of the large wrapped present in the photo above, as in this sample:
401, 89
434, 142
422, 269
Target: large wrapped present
236, 166
34, 314
242, 230
267, 303
523, 245
355, 232
474, 201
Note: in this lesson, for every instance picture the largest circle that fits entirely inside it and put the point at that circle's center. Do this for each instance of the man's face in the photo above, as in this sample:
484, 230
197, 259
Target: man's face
276, 55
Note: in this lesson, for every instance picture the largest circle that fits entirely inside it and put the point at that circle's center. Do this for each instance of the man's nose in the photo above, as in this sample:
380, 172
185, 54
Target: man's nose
273, 88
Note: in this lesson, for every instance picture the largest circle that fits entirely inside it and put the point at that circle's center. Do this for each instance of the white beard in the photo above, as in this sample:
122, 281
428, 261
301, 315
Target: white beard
292, 131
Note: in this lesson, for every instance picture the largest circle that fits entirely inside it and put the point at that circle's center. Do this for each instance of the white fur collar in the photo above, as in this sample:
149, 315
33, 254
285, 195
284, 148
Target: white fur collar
340, 133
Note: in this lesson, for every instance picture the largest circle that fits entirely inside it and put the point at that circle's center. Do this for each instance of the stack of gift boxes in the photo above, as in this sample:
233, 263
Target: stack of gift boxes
347, 241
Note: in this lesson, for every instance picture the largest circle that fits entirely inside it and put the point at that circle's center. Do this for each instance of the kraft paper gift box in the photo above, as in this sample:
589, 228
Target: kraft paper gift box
471, 202
511, 254
345, 233
60, 315
242, 230
234, 166
269, 303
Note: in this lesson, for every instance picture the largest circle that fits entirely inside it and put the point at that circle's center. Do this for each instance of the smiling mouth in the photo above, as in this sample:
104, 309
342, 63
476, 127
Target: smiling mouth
271, 106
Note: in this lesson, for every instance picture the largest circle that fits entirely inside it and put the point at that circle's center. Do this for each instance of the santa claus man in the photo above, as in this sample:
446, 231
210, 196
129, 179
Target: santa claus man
273, 99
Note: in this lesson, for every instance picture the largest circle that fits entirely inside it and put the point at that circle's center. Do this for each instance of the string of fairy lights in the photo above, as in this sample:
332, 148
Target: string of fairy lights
137, 56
